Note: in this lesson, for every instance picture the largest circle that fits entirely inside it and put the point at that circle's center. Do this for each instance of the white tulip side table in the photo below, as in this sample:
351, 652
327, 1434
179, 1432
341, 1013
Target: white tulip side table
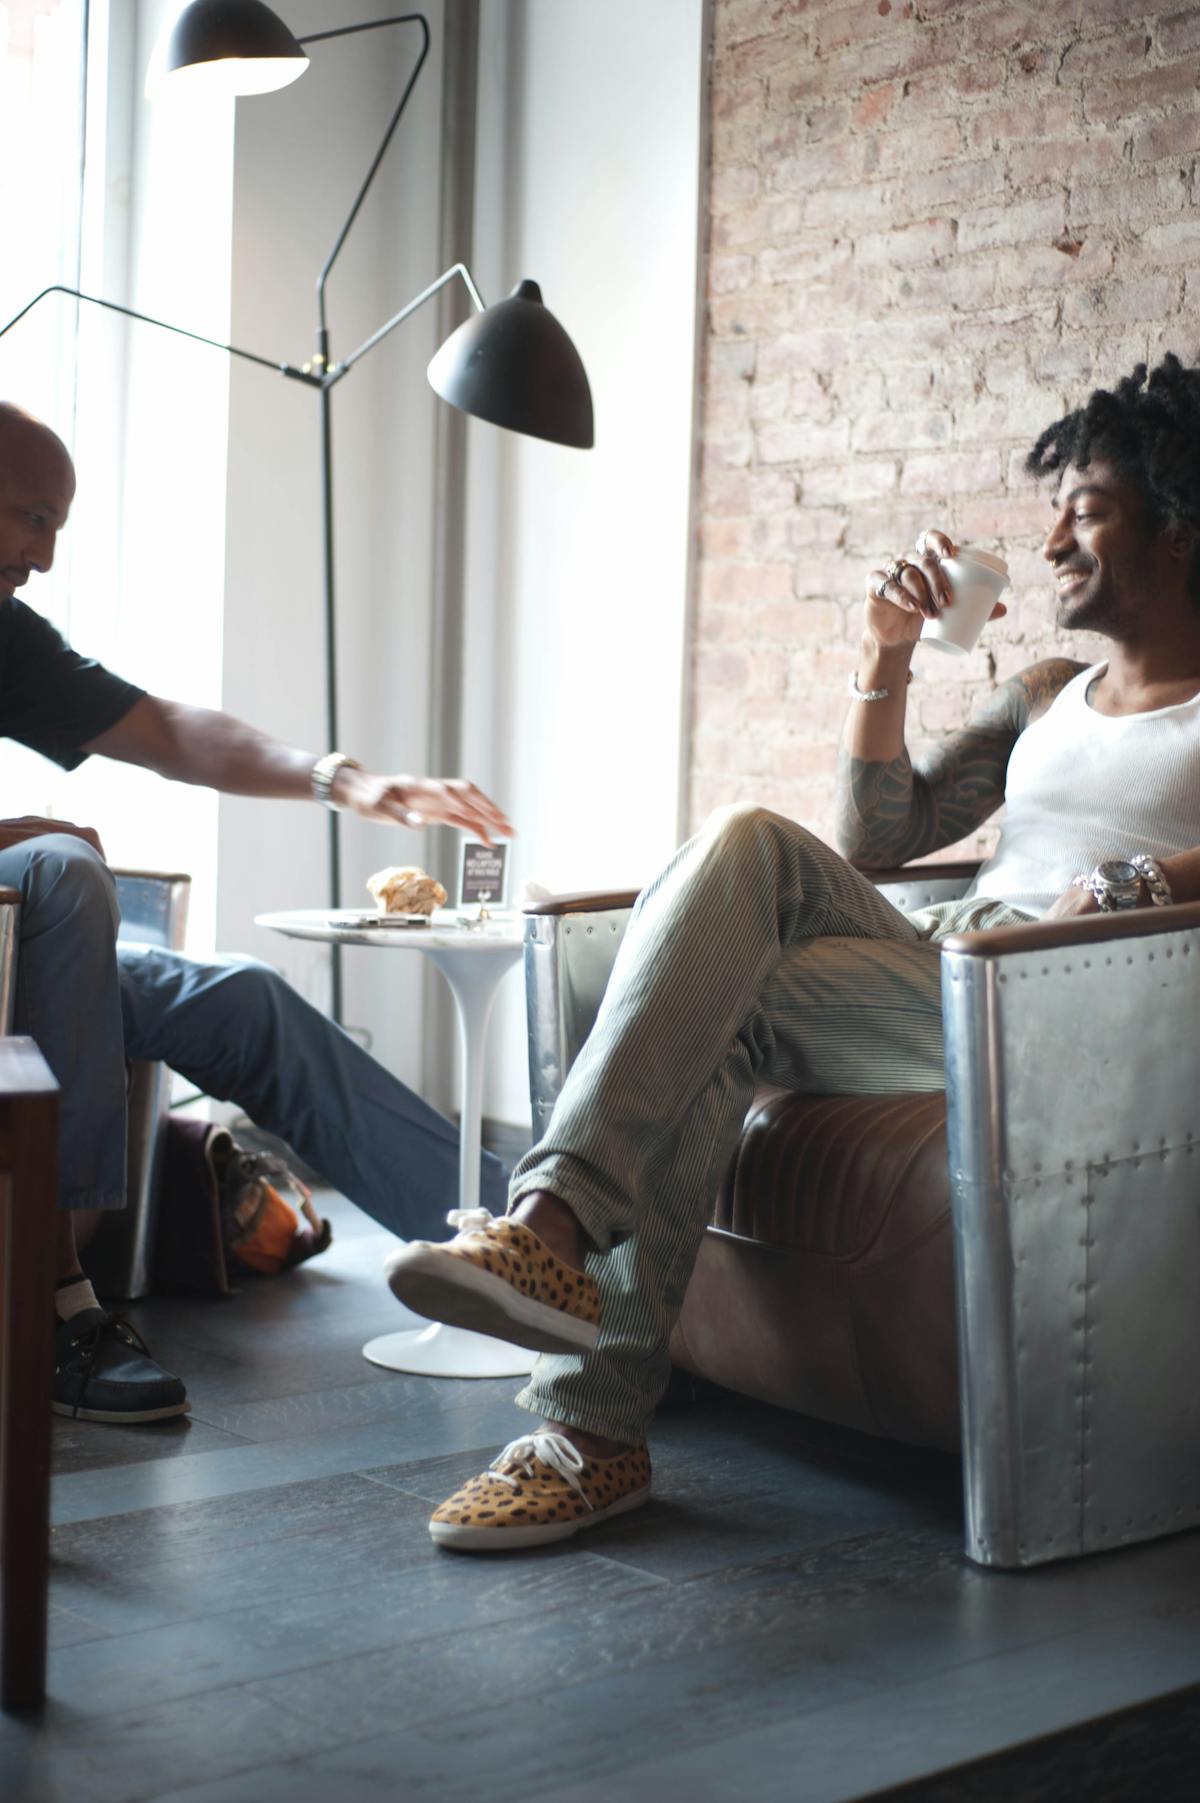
473, 955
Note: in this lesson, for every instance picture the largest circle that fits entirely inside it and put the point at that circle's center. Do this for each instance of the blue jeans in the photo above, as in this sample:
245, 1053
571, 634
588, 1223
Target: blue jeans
232, 1027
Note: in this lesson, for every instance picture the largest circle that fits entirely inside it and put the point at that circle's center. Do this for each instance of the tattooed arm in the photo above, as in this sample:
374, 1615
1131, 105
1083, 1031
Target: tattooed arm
890, 810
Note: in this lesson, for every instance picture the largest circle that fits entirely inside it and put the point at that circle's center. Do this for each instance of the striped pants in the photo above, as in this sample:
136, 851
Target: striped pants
757, 956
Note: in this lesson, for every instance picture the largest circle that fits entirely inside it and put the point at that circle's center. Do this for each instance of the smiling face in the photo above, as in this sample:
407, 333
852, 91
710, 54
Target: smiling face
1111, 566
37, 486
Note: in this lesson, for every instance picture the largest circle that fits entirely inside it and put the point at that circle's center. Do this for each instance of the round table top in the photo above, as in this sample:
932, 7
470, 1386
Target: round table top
448, 930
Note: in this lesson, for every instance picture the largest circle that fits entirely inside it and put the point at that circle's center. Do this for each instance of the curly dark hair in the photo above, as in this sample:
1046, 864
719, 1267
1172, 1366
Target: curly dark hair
1147, 429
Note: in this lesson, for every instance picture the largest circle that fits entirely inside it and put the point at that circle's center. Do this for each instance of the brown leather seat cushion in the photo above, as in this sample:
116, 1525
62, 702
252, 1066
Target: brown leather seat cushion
850, 1177
826, 1281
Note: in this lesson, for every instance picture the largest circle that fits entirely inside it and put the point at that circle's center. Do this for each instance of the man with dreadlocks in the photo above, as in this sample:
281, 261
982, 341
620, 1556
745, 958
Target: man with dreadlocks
760, 955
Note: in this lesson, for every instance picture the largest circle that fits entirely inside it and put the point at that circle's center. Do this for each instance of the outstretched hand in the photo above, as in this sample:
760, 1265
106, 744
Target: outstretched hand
421, 801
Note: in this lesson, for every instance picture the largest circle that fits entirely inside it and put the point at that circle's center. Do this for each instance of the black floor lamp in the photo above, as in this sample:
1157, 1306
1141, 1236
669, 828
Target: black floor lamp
511, 364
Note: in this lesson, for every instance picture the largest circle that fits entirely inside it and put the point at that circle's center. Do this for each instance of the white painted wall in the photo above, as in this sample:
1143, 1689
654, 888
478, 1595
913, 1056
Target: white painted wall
588, 181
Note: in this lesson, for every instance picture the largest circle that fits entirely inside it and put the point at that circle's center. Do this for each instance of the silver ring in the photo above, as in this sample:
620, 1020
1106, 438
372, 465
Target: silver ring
894, 570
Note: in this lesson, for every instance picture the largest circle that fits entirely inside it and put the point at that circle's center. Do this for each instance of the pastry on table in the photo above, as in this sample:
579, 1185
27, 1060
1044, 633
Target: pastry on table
406, 889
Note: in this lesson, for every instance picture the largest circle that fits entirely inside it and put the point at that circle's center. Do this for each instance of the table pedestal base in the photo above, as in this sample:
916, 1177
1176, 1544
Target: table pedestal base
440, 1351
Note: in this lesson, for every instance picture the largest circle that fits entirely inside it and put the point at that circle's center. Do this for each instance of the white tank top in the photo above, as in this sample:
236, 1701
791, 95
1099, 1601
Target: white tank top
1082, 786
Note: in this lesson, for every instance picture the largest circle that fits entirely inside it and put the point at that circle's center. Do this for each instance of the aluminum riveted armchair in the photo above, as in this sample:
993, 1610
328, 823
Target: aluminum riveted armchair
1053, 1192
153, 908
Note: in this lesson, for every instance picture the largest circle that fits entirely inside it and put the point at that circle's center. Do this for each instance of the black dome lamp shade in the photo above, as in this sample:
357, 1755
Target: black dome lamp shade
513, 364
238, 46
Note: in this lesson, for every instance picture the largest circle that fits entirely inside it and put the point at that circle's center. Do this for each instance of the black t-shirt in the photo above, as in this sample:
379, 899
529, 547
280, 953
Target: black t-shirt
51, 699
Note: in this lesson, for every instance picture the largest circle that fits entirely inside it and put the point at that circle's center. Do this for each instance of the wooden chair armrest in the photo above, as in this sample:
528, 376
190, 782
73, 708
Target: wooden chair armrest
600, 901
1080, 930
926, 873
586, 901
28, 1182
153, 876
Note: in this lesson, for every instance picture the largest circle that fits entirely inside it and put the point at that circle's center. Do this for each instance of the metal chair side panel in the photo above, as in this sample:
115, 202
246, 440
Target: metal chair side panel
568, 961
924, 893
153, 912
153, 908
1074, 1124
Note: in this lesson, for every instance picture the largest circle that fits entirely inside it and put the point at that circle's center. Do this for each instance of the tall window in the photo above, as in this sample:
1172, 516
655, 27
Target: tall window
43, 122
101, 192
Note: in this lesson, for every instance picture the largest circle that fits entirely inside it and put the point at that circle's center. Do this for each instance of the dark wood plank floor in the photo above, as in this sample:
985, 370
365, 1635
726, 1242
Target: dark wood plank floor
247, 1605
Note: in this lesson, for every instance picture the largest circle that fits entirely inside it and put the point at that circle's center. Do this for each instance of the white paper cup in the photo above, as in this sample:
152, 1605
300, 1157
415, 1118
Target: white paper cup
978, 579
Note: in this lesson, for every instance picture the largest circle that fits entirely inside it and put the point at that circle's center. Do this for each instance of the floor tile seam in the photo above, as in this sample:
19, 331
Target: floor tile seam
392, 1489
198, 1617
952, 1660
897, 1688
648, 1577
82, 1733
165, 1459
260, 1688
768, 1567
649, 1581
295, 1593
292, 1436
200, 1411
290, 1484
975, 1764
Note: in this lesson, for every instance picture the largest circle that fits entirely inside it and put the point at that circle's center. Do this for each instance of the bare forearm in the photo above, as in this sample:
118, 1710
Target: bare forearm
1183, 875
891, 810
200, 745
880, 817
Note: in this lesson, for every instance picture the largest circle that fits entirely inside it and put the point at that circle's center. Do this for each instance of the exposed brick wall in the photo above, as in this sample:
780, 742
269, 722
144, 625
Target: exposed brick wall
933, 228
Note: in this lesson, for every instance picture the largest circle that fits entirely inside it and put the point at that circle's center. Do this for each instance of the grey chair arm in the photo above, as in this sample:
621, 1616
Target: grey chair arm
583, 901
587, 901
1073, 1104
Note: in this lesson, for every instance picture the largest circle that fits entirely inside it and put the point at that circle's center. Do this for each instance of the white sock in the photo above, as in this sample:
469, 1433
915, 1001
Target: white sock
72, 1296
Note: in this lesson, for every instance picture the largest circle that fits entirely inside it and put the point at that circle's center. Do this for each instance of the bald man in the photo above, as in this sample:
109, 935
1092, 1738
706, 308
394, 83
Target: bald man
232, 1026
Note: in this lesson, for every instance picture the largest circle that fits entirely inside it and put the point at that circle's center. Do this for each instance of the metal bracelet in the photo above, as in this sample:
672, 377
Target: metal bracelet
1097, 891
857, 694
1154, 877
323, 773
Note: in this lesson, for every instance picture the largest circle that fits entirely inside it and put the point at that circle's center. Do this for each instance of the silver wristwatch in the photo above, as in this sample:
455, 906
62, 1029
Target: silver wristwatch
1116, 883
323, 773
1155, 879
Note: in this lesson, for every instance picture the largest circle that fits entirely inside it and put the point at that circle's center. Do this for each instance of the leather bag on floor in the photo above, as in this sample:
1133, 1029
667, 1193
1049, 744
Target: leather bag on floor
225, 1213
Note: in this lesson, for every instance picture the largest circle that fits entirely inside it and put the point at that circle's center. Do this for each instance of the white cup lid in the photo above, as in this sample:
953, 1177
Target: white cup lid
988, 559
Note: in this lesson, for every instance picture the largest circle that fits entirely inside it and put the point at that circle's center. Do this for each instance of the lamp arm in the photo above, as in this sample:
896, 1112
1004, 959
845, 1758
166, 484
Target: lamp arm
348, 31
165, 325
347, 363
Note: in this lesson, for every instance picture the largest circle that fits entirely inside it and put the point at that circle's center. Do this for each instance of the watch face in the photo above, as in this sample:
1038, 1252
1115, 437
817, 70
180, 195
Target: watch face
1117, 871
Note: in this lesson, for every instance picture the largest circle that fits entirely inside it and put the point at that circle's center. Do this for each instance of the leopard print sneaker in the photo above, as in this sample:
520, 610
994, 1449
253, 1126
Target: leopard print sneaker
540, 1488
497, 1277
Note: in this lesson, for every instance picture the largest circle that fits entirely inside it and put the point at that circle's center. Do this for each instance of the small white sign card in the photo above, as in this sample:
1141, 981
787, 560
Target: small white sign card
481, 882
